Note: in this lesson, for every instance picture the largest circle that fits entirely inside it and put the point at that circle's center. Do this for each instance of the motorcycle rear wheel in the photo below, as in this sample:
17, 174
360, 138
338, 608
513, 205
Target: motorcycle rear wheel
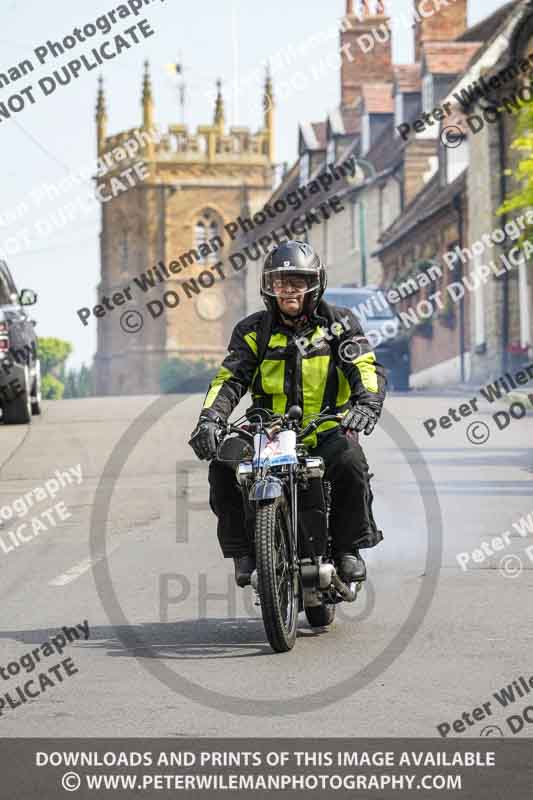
276, 583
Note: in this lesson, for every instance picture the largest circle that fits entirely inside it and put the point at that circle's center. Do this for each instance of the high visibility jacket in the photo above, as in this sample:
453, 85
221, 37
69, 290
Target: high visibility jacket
332, 373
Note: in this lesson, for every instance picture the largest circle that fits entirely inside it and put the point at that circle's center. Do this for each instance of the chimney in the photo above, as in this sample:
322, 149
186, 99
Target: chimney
365, 48
443, 25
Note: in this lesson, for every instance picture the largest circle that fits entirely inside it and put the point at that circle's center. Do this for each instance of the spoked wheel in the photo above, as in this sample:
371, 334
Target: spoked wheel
276, 583
320, 616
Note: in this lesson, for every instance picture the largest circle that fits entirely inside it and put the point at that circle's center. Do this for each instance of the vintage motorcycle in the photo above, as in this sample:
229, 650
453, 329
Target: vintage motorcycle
294, 568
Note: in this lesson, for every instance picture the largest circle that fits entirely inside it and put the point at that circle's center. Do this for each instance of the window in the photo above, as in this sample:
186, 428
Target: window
456, 159
427, 93
398, 111
304, 168
331, 152
205, 229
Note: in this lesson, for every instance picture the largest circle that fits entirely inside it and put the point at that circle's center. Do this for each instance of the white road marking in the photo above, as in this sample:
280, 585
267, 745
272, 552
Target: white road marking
81, 567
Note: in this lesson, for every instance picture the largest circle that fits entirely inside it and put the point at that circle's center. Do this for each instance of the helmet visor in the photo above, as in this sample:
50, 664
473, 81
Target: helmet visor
288, 281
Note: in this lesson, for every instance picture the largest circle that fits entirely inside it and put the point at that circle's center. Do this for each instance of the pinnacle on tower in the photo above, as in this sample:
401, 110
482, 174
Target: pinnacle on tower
268, 106
147, 99
101, 116
219, 107
268, 97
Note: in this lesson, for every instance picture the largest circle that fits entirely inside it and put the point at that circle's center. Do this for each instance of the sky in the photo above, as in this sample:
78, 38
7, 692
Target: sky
55, 136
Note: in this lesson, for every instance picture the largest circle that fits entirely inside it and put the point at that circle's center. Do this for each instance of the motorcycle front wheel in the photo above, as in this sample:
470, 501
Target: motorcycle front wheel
276, 582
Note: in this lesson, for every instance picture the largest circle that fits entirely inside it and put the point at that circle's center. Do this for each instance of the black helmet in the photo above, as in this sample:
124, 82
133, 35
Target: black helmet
296, 259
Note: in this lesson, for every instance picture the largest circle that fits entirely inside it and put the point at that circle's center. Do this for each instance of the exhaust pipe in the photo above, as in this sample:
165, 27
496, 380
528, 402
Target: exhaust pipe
348, 593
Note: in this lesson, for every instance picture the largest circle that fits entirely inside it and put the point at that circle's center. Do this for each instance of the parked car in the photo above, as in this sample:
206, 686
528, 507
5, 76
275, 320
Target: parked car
20, 370
382, 327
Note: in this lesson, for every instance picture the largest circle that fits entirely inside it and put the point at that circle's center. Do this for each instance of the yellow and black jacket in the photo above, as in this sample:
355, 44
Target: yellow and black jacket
285, 376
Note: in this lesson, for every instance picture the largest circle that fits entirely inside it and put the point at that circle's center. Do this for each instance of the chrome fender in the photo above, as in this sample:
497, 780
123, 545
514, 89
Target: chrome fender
265, 489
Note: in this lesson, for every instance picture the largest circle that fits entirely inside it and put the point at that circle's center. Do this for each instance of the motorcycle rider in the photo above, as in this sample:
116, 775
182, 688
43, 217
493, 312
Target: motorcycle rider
337, 371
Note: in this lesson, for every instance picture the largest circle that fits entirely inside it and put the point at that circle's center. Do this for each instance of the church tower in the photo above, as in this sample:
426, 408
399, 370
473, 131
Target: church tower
166, 234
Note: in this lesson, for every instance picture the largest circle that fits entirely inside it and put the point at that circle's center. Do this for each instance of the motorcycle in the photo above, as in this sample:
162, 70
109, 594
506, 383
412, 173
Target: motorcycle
294, 568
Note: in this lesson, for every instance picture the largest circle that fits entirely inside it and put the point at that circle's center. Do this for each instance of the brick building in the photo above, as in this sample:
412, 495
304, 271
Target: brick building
481, 334
194, 187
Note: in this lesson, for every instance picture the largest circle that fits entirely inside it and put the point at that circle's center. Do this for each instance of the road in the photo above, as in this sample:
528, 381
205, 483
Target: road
175, 649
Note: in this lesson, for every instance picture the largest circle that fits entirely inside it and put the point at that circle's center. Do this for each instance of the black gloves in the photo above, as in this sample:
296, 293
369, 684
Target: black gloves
204, 439
361, 418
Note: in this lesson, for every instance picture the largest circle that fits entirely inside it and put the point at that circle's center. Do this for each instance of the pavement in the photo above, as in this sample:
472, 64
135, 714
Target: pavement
175, 649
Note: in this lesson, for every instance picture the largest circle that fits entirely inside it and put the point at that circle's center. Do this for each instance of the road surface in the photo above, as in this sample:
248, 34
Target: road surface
175, 649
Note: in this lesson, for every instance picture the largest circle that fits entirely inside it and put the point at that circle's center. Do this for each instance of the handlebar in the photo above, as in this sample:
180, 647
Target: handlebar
249, 429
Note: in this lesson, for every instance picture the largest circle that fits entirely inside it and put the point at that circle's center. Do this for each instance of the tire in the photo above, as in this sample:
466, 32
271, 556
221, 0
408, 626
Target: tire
279, 599
320, 616
17, 410
36, 398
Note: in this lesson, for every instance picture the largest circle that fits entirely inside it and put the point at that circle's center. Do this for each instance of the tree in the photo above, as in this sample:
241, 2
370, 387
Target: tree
179, 375
78, 383
51, 388
522, 197
53, 353
57, 381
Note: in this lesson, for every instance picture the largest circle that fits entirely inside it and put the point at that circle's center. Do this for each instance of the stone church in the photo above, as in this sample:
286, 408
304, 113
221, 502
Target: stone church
195, 183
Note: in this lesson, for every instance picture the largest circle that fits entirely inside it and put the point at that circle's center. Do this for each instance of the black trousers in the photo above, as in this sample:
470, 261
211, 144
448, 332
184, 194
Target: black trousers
351, 521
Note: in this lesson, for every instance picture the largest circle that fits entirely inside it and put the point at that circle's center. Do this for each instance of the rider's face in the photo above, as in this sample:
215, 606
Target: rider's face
290, 293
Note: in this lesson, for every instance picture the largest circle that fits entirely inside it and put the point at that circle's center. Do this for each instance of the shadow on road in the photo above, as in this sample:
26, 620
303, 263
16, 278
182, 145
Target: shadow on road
213, 637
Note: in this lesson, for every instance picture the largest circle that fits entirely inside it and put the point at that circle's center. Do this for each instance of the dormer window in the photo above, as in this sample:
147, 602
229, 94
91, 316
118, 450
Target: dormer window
331, 152
304, 169
427, 93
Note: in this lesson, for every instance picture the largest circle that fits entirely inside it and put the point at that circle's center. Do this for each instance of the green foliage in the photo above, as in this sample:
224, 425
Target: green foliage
53, 353
57, 382
179, 375
51, 388
78, 383
522, 197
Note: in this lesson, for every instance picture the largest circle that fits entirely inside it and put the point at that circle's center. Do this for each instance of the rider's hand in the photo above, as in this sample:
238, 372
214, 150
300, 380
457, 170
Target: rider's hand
361, 418
204, 439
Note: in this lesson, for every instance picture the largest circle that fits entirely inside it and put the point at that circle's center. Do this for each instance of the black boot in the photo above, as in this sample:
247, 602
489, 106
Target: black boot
351, 567
244, 566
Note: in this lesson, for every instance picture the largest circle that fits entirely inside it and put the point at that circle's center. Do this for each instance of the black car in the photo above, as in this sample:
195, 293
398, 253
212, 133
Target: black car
382, 328
20, 371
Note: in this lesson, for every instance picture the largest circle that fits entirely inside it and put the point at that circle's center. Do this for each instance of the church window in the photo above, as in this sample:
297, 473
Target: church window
206, 228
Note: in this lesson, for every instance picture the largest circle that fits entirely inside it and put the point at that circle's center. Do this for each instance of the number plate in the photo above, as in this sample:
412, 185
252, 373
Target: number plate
281, 449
